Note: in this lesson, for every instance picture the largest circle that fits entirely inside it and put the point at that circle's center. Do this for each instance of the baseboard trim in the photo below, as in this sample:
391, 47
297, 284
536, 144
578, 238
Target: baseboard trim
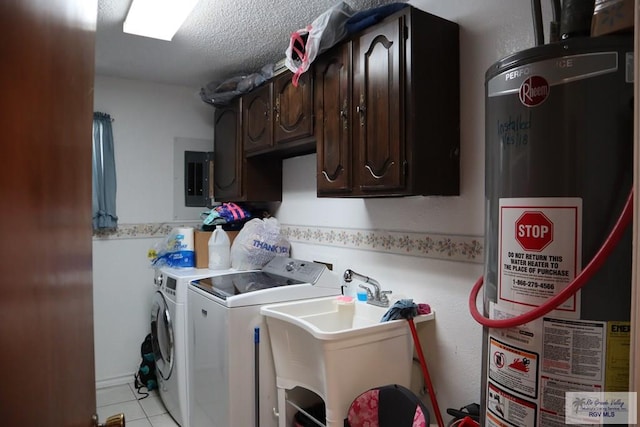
114, 381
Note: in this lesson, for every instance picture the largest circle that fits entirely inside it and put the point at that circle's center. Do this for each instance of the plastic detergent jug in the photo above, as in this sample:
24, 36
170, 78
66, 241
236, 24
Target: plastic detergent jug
219, 248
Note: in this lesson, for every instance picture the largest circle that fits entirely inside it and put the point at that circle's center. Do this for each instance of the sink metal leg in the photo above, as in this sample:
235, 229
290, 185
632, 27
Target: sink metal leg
282, 407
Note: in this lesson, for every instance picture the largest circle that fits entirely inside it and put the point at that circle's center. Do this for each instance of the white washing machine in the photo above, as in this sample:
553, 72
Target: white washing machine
232, 375
169, 337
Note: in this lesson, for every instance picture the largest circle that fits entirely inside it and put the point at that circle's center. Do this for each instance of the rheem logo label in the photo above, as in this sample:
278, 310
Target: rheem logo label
534, 231
533, 91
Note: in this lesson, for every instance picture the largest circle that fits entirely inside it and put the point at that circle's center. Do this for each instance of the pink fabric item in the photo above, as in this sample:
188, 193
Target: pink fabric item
419, 419
235, 210
424, 309
364, 410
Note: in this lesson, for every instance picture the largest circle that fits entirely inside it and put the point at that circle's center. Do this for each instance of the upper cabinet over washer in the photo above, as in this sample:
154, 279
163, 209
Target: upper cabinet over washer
387, 109
381, 109
279, 117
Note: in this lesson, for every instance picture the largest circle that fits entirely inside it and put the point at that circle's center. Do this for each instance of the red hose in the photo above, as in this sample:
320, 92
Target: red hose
425, 372
598, 260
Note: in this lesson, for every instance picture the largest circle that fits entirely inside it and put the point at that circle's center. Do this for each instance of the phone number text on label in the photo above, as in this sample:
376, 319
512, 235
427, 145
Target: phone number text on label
533, 284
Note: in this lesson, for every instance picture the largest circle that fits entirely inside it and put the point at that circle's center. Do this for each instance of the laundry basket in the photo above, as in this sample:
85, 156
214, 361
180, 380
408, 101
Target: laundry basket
387, 406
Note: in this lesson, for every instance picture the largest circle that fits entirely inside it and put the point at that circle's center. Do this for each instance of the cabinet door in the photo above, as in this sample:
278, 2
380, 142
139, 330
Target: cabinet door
293, 108
332, 106
379, 107
256, 119
227, 154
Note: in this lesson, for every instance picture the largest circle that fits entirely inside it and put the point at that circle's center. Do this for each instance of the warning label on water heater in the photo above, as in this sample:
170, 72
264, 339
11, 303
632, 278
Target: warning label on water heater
539, 249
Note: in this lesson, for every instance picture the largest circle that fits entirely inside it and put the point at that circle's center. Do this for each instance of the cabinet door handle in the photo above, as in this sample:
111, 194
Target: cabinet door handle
361, 109
378, 176
343, 114
277, 109
327, 177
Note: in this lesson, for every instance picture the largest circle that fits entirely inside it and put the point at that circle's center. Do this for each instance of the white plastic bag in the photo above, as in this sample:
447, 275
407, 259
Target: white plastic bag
258, 242
324, 32
176, 250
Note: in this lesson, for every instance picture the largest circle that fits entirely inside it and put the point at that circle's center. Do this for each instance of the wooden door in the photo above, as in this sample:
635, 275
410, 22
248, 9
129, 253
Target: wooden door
293, 108
333, 135
379, 107
257, 121
227, 154
46, 301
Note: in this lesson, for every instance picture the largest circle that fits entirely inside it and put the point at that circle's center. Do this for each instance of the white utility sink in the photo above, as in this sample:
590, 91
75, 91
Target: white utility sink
337, 349
333, 318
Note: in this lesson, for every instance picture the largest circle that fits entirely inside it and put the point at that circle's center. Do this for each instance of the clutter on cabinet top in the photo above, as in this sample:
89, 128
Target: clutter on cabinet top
327, 30
220, 94
305, 44
324, 32
230, 214
367, 18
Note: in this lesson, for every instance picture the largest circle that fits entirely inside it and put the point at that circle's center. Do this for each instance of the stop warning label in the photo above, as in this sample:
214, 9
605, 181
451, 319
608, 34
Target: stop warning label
534, 231
538, 250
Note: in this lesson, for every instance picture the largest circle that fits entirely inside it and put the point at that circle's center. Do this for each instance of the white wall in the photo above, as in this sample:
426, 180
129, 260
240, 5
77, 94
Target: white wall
489, 30
147, 119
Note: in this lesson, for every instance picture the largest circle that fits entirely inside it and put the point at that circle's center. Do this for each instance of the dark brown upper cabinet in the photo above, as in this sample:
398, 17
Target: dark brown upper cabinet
381, 109
227, 157
278, 117
333, 120
379, 82
257, 119
399, 132
293, 119
237, 178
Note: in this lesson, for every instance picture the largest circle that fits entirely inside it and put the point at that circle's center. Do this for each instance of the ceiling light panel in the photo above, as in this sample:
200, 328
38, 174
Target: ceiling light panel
158, 19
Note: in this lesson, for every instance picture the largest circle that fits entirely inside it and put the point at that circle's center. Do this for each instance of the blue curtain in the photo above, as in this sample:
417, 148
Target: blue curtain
104, 174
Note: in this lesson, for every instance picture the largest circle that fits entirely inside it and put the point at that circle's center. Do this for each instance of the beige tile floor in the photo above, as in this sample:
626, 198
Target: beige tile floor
147, 412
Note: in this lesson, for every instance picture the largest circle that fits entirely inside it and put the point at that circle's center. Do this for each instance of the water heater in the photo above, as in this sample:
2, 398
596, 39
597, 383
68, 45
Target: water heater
559, 168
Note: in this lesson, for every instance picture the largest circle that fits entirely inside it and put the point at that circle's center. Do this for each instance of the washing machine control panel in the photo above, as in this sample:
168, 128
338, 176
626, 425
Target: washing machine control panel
170, 285
304, 271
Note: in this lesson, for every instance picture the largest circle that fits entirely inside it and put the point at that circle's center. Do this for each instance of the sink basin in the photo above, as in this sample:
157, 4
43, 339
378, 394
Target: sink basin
334, 319
337, 349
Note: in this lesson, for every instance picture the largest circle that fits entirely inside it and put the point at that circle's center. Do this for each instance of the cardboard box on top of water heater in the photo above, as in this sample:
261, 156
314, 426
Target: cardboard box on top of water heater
612, 16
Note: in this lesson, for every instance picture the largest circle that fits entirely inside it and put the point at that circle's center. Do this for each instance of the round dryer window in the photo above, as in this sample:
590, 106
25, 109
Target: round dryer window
162, 336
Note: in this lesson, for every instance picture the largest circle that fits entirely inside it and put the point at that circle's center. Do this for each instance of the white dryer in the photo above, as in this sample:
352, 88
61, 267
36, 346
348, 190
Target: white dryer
232, 375
169, 337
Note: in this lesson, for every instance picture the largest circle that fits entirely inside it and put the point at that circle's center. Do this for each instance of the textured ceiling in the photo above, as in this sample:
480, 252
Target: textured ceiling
219, 40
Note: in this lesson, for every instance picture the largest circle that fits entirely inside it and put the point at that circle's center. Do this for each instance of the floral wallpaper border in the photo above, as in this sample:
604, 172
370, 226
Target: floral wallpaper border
141, 231
426, 245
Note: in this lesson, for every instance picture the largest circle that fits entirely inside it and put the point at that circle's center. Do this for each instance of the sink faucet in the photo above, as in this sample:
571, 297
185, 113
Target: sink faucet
377, 297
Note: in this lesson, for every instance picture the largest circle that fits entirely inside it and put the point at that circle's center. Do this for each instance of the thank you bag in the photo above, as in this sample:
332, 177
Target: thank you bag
259, 241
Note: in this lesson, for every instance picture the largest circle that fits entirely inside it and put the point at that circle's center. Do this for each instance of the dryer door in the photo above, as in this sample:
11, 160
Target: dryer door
162, 336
